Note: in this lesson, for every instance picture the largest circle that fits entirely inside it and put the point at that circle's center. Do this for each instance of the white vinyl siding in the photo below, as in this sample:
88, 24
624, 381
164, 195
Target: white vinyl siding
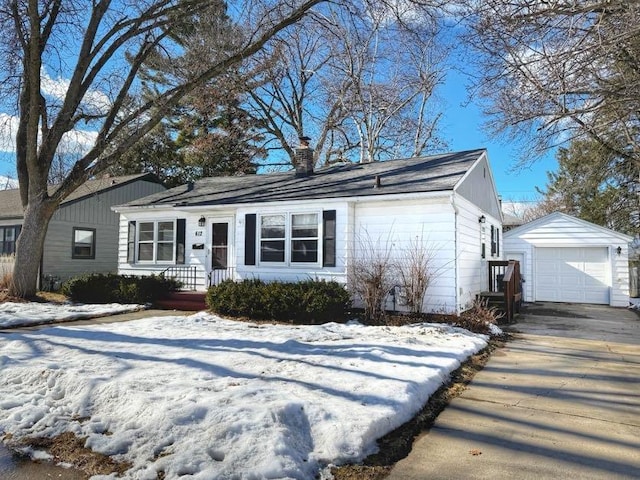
194, 235
472, 269
395, 227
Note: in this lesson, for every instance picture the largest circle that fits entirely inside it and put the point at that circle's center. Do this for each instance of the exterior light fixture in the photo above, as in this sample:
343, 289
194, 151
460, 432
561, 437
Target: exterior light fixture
482, 219
202, 221
619, 251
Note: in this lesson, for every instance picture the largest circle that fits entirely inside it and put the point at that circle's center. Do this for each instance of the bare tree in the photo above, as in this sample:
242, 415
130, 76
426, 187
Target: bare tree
100, 47
562, 69
359, 81
392, 69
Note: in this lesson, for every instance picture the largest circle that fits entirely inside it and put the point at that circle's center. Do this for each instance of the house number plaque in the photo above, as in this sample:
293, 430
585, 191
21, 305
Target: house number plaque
199, 233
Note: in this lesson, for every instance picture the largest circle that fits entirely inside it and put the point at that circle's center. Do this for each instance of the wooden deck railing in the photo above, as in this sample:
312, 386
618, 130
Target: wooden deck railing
504, 277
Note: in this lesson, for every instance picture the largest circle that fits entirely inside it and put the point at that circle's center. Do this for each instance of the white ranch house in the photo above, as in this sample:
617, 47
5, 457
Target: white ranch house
304, 224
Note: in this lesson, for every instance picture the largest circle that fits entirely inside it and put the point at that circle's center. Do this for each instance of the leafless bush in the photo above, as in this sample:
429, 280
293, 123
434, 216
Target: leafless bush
6, 271
479, 317
415, 272
370, 276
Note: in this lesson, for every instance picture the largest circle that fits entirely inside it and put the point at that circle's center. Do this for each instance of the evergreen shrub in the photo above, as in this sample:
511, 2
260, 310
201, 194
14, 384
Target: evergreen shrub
112, 288
307, 302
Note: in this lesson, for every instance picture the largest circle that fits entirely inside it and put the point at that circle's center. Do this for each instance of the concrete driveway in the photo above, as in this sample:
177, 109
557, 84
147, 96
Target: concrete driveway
560, 401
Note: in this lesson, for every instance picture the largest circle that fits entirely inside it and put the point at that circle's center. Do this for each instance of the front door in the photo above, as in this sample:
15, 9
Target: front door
221, 245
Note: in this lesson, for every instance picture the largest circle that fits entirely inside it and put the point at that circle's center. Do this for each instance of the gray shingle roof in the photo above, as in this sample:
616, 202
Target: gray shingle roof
511, 220
11, 206
412, 175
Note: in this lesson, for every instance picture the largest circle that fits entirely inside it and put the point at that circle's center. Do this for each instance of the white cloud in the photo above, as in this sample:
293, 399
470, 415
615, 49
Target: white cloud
7, 183
74, 142
8, 129
94, 100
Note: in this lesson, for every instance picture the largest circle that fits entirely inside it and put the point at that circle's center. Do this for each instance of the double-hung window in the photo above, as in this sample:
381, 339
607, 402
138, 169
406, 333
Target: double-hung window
289, 239
272, 238
156, 241
8, 236
304, 238
84, 243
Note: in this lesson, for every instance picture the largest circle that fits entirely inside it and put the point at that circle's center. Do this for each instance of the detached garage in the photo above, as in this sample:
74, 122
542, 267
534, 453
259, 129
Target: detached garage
565, 259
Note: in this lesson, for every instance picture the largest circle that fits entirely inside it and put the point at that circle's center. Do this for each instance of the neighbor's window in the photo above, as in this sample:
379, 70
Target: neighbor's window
8, 236
84, 243
156, 241
289, 238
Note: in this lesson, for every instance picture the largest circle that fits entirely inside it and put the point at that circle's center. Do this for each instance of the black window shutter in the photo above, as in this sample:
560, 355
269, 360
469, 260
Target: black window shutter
329, 238
498, 242
180, 234
131, 242
250, 239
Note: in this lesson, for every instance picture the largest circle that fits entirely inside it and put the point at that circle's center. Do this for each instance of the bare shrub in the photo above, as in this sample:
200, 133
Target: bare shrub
415, 272
5, 280
479, 317
370, 276
6, 271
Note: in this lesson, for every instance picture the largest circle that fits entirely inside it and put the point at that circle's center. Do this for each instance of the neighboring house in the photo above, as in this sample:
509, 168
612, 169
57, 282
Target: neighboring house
304, 224
83, 233
565, 259
509, 222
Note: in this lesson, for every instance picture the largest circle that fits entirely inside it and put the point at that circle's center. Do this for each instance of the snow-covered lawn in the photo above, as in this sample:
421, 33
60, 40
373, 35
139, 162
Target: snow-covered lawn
205, 398
34, 313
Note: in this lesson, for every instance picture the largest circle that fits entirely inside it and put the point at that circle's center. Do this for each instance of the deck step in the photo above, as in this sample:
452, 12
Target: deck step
187, 301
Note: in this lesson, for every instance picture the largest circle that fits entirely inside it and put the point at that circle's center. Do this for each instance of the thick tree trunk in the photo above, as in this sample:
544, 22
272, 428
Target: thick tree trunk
29, 249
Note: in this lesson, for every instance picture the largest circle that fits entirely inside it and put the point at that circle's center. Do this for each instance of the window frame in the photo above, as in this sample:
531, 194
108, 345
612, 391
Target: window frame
76, 256
289, 239
3, 238
155, 241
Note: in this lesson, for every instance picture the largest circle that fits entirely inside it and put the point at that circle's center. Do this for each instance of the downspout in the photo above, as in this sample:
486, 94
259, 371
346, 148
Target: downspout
455, 251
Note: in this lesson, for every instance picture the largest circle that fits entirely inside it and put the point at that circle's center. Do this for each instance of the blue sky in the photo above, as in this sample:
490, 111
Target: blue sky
462, 128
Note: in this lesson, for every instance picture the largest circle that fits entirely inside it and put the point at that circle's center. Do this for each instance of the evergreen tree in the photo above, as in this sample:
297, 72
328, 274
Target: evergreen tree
596, 184
208, 133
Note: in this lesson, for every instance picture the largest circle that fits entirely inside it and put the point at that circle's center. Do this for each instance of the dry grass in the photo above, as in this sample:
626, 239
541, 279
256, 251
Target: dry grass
50, 297
67, 448
44, 297
5, 280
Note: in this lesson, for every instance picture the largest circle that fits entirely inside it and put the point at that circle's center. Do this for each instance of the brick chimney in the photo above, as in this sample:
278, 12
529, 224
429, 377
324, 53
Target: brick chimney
304, 158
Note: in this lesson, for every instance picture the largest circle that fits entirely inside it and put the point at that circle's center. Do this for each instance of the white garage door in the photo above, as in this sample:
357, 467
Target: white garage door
578, 275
